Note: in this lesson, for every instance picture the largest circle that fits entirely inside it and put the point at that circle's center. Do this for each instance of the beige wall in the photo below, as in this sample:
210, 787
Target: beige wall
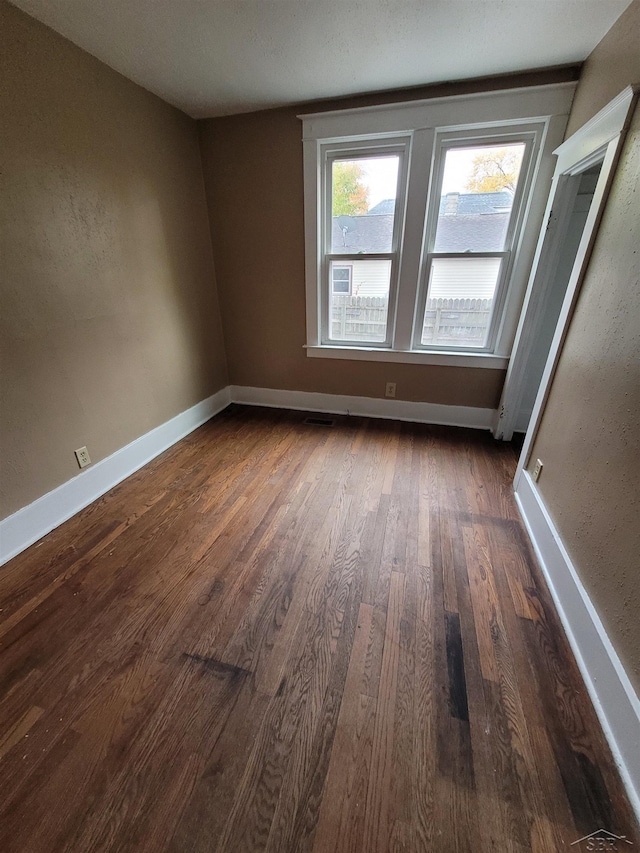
614, 64
253, 174
589, 439
109, 322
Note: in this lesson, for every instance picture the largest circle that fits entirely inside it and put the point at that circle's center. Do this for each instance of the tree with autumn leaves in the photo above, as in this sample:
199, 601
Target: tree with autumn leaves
495, 169
350, 195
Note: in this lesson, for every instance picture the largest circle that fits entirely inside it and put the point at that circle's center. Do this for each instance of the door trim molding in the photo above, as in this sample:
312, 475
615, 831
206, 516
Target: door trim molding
600, 139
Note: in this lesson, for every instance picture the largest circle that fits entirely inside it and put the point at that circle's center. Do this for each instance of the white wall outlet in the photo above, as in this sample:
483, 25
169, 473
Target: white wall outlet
390, 390
537, 470
82, 455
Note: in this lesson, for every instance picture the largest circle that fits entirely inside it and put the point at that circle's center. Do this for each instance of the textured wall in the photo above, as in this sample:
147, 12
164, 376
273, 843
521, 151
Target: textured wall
589, 439
109, 323
253, 174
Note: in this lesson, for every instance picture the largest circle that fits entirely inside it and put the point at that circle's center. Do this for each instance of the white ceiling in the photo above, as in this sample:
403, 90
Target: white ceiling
215, 57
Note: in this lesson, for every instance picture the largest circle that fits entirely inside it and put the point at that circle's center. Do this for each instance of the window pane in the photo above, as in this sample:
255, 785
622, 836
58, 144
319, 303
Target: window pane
363, 204
478, 187
459, 301
341, 279
362, 314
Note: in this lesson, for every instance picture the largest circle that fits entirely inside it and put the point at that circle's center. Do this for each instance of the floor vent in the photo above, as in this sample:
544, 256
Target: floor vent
319, 421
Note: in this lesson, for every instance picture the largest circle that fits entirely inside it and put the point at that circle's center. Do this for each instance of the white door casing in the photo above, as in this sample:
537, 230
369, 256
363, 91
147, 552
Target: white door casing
599, 140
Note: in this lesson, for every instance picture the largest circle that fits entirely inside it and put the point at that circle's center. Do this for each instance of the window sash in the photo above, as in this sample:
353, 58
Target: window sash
326, 338
496, 306
479, 137
356, 150
451, 141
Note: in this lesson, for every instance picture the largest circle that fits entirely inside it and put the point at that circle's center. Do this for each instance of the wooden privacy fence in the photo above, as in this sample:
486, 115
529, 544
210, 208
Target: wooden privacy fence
446, 321
359, 318
461, 321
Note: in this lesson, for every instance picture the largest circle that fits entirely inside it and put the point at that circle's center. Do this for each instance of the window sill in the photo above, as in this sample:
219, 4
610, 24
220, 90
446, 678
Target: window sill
449, 359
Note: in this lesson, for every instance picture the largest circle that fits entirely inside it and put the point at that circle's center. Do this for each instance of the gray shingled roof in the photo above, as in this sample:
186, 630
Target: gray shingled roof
477, 233
467, 203
479, 203
367, 233
471, 232
388, 205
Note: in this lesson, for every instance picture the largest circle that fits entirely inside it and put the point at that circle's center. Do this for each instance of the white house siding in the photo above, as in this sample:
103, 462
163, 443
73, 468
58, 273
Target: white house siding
370, 278
463, 278
451, 278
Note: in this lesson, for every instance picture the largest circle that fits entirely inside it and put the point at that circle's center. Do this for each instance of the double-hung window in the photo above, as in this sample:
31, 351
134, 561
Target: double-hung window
421, 221
369, 240
472, 227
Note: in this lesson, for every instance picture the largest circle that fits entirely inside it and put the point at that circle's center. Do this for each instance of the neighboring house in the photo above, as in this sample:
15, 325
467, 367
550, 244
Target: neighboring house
467, 222
475, 203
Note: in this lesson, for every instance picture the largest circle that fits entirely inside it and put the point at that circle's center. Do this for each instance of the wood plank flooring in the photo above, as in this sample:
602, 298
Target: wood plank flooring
284, 637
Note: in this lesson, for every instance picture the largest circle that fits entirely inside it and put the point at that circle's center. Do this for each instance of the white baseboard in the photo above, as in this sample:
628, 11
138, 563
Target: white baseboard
34, 521
370, 407
611, 692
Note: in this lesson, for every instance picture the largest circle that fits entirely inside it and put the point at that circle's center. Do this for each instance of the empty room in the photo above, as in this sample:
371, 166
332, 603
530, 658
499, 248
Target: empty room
320, 426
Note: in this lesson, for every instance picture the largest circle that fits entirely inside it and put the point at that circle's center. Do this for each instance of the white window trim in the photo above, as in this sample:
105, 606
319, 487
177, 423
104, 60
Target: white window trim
330, 151
423, 356
532, 135
425, 122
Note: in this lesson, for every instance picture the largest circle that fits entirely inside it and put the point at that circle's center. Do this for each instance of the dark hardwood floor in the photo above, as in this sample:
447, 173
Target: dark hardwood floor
287, 637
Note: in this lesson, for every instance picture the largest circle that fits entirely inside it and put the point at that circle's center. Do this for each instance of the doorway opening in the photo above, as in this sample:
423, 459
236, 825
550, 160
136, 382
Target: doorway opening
583, 176
568, 219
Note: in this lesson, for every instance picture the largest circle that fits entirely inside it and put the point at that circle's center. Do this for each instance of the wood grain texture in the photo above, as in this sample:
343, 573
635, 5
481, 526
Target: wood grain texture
287, 638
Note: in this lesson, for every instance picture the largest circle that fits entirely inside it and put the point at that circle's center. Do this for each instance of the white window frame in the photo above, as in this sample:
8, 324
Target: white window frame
421, 126
330, 153
531, 135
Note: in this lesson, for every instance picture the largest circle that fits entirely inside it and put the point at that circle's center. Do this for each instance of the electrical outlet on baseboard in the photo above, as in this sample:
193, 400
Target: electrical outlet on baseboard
537, 470
82, 455
390, 389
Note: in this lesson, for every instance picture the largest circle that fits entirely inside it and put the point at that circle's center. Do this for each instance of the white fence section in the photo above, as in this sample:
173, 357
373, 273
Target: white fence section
464, 322
359, 318
447, 322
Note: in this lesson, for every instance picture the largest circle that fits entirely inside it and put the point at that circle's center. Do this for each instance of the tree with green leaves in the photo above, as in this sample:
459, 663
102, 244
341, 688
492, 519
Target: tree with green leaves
350, 194
495, 169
